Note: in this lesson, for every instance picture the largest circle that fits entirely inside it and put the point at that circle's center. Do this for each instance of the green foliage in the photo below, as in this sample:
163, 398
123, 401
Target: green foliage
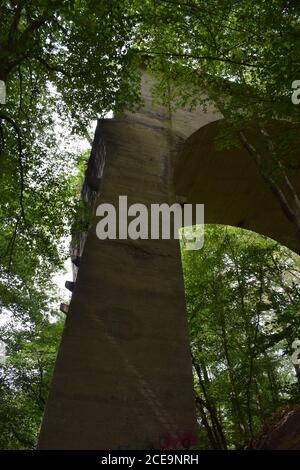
31, 338
243, 302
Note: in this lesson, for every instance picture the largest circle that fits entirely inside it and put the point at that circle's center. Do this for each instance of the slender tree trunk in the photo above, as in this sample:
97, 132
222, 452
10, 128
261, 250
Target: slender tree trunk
288, 199
240, 423
216, 425
200, 405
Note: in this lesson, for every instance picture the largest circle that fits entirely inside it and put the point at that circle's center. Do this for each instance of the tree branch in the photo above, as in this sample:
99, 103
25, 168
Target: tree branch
286, 179
31, 28
50, 67
15, 22
196, 57
289, 213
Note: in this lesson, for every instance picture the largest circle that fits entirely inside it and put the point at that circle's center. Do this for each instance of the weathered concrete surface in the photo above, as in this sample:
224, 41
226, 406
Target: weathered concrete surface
123, 374
230, 186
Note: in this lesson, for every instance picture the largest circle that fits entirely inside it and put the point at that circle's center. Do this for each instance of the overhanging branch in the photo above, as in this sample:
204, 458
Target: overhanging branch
50, 67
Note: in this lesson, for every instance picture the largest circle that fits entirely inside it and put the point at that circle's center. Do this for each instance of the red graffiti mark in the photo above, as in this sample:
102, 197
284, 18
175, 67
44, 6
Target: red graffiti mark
177, 440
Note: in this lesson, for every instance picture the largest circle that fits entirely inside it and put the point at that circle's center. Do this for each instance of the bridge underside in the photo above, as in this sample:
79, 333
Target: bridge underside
231, 187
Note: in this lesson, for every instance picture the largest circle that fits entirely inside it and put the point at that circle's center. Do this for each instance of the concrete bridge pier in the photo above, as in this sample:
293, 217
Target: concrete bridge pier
123, 376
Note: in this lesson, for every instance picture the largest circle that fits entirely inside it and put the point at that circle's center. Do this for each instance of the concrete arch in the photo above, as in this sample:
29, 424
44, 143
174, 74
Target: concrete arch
231, 187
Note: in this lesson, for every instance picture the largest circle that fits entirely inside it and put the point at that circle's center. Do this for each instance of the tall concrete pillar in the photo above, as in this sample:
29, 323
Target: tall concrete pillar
123, 376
